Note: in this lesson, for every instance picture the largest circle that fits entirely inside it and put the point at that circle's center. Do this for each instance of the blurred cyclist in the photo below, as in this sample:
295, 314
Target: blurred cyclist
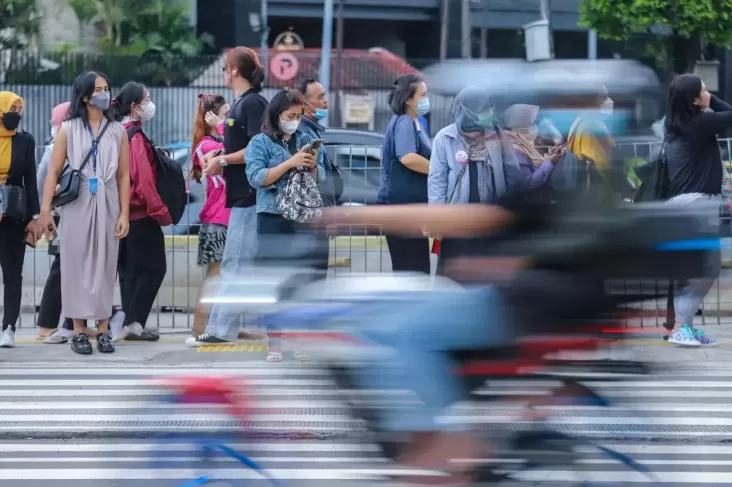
543, 289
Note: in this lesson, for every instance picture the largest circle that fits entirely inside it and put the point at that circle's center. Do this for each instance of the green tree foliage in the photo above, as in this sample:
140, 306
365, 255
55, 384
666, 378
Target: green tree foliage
22, 19
151, 40
686, 22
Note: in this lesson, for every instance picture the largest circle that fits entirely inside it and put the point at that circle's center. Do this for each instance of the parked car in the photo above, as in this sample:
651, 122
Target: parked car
356, 152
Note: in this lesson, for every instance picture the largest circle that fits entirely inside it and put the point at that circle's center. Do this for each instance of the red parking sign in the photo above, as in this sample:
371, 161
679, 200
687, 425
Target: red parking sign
284, 66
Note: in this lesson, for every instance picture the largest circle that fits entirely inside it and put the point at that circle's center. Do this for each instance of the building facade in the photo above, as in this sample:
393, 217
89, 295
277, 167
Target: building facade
412, 29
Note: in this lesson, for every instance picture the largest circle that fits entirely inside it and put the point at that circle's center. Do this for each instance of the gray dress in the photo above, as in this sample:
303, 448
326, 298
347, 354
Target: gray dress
88, 245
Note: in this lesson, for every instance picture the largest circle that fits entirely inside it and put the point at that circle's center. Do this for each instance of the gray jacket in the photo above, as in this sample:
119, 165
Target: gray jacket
442, 181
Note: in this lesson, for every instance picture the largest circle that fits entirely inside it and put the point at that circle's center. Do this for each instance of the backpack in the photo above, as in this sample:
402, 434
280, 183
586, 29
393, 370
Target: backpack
170, 182
300, 201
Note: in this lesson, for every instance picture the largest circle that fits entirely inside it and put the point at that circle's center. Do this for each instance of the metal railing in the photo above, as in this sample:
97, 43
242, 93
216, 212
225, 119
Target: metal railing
352, 249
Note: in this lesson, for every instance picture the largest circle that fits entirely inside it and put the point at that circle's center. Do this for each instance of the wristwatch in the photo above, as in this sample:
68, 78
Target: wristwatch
35, 217
222, 161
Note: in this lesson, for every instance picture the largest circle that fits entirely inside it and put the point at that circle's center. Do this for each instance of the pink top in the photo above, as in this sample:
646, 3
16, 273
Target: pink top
214, 210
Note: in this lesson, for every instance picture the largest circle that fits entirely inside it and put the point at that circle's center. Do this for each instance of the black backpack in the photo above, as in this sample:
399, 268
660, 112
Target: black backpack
171, 184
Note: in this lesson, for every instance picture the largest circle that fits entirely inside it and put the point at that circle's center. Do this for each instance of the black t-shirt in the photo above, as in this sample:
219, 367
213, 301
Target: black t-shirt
692, 152
243, 122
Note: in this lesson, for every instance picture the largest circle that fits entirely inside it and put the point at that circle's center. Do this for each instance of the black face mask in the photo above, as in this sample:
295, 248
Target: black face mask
11, 120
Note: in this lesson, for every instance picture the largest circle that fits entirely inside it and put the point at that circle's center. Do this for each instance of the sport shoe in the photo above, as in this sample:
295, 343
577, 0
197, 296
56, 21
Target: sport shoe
80, 344
8, 338
706, 341
58, 336
206, 339
684, 337
104, 343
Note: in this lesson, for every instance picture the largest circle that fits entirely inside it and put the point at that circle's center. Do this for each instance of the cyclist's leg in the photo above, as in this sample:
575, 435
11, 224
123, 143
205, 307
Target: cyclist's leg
420, 334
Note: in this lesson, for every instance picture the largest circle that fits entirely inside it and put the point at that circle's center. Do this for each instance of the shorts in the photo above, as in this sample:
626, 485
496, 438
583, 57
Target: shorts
211, 242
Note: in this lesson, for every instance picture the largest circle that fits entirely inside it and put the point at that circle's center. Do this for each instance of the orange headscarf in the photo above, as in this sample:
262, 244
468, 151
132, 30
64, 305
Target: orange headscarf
7, 100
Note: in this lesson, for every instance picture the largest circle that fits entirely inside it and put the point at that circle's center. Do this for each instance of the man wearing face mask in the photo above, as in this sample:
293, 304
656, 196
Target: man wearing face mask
473, 161
316, 110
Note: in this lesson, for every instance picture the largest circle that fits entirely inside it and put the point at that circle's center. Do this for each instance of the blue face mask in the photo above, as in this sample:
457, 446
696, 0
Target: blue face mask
423, 106
320, 113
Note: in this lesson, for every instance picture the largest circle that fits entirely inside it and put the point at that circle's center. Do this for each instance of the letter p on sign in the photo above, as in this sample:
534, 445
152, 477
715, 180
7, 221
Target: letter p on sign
284, 66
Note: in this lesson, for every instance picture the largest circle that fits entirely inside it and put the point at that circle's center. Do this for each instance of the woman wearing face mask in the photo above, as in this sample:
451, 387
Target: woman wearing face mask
207, 137
142, 262
405, 164
520, 120
17, 170
271, 157
93, 223
473, 161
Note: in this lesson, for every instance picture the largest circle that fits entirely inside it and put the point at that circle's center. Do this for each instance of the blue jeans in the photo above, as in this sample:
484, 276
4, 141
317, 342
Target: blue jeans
241, 247
689, 297
422, 334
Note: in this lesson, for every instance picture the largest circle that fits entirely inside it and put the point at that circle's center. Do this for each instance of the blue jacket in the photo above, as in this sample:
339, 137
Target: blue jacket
327, 187
263, 152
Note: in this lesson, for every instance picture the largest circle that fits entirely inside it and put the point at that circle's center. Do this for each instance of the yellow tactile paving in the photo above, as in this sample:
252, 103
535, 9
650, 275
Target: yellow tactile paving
250, 347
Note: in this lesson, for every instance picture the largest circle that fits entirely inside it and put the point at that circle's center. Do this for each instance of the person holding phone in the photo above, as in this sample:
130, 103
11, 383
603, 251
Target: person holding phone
272, 156
520, 120
214, 216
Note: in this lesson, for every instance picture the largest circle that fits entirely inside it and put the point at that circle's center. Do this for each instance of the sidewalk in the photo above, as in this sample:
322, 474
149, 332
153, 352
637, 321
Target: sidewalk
171, 350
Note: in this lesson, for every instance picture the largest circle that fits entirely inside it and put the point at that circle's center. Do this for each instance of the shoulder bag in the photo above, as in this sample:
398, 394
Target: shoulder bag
70, 181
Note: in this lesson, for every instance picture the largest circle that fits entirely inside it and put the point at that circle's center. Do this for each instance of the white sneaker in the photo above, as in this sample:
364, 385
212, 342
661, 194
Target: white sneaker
132, 328
59, 336
8, 339
116, 323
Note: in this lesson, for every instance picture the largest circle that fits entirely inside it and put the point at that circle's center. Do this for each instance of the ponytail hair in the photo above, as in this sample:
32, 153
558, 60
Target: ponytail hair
132, 93
206, 103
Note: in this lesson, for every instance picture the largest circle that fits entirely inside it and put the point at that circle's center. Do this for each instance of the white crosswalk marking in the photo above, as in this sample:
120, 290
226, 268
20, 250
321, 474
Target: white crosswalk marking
95, 426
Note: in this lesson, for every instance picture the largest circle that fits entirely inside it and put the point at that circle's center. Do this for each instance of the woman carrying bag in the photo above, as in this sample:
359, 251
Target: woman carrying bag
18, 207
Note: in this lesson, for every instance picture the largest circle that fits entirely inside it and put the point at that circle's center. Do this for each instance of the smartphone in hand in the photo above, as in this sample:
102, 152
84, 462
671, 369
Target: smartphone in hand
316, 144
30, 239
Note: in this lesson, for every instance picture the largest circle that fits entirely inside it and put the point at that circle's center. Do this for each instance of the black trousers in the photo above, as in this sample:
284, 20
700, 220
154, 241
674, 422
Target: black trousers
12, 255
50, 310
409, 254
142, 267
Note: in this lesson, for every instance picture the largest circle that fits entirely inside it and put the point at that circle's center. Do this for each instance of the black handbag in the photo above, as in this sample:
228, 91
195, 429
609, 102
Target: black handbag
70, 181
13, 202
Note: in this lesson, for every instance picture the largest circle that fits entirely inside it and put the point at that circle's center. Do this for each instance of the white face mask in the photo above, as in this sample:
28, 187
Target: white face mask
607, 106
54, 132
146, 111
289, 127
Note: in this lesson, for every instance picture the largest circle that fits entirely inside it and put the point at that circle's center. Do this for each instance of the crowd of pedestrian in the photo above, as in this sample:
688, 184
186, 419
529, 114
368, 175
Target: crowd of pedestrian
96, 193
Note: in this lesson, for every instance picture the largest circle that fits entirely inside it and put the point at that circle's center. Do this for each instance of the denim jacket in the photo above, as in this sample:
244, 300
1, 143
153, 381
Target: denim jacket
327, 186
264, 153
442, 181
